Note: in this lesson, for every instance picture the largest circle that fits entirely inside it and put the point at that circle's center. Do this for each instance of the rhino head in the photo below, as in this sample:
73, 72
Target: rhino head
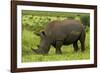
44, 45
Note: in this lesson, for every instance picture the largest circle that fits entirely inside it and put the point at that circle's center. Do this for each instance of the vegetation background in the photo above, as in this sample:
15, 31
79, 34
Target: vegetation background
35, 21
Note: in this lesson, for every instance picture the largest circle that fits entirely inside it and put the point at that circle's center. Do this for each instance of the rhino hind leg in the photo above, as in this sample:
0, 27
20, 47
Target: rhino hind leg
58, 47
82, 45
82, 41
75, 45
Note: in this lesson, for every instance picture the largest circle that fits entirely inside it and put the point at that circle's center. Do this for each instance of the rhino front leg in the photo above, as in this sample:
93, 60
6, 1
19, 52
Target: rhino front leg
58, 47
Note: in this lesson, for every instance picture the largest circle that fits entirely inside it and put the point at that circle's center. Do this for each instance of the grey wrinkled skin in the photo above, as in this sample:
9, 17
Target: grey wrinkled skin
58, 33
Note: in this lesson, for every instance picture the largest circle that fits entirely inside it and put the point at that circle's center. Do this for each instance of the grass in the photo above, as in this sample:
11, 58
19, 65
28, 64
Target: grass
30, 40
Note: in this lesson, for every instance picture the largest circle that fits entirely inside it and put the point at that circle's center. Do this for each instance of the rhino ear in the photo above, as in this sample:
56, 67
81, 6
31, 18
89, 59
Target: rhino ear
42, 34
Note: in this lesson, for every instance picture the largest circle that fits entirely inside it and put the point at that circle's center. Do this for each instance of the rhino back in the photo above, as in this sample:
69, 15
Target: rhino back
66, 29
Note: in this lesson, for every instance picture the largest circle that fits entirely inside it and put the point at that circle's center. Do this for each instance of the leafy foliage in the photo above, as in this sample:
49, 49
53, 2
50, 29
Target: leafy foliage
85, 19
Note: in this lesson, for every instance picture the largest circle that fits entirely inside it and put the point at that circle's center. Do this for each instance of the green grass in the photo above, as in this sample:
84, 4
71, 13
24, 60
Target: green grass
30, 40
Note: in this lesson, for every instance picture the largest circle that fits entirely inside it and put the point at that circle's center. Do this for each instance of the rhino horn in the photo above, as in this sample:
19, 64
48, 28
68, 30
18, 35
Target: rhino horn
35, 50
38, 51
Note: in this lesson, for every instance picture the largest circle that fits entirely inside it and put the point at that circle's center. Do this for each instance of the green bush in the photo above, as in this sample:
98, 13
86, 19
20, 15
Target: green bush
71, 17
85, 19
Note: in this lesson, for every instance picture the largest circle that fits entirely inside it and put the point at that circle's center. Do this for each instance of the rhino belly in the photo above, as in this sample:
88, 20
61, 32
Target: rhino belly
71, 38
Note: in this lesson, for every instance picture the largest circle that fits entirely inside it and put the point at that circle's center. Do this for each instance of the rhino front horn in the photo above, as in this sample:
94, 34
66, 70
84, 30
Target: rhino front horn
38, 51
34, 50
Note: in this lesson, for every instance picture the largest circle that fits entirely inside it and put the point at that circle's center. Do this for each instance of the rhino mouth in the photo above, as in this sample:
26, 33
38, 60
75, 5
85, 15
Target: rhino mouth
39, 51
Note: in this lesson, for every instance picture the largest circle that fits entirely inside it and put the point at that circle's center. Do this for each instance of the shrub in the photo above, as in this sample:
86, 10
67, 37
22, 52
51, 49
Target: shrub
85, 19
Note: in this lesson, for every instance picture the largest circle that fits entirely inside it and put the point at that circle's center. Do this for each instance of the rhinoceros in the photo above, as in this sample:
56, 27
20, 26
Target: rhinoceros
61, 32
